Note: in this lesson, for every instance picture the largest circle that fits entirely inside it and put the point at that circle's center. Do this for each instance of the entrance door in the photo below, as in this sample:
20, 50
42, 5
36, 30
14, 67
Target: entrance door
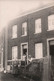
52, 59
24, 52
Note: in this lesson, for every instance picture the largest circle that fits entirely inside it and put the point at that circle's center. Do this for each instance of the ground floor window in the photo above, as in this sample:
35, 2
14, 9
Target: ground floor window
38, 50
14, 52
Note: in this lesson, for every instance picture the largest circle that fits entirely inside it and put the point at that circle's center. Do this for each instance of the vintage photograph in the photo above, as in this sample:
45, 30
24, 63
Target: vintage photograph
26, 40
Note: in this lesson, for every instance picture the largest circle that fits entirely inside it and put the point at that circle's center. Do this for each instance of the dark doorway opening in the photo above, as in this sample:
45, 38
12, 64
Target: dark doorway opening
52, 59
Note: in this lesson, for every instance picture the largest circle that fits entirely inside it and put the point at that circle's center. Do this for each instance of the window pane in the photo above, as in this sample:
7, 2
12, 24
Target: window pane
38, 26
14, 52
38, 50
24, 28
51, 22
23, 31
14, 31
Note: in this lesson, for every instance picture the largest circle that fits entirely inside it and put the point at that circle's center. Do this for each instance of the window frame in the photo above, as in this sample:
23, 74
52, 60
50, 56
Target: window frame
36, 23
26, 43
36, 50
15, 54
49, 27
14, 32
25, 29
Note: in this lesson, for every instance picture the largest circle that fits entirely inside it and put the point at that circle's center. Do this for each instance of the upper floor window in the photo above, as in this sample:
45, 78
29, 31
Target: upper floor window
24, 29
14, 31
38, 26
14, 52
51, 22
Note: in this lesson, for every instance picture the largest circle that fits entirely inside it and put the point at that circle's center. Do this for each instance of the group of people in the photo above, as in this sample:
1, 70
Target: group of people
27, 59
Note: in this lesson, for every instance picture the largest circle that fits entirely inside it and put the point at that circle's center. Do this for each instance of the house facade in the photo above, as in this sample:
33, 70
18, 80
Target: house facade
31, 34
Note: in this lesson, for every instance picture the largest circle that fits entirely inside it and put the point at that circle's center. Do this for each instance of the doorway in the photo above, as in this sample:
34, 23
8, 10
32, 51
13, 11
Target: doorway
51, 50
24, 52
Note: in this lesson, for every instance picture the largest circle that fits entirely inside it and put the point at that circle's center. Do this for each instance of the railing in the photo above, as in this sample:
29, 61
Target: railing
46, 73
10, 64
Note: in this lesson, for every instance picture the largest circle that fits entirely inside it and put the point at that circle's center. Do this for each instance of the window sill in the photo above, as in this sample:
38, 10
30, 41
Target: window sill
14, 60
13, 38
50, 30
23, 35
37, 33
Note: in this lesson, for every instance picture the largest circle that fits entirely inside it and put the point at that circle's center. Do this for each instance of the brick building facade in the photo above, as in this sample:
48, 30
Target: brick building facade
31, 34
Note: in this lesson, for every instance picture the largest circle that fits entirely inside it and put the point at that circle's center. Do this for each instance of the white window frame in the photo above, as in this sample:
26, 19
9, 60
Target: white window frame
48, 50
15, 52
37, 45
27, 50
37, 24
50, 21
14, 31
24, 25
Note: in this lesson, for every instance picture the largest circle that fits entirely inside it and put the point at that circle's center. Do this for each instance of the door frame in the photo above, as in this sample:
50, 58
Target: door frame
27, 50
49, 39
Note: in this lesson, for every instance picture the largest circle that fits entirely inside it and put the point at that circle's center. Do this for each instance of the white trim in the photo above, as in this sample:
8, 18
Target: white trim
24, 26
38, 33
27, 50
48, 45
36, 50
23, 35
50, 22
13, 60
14, 33
49, 30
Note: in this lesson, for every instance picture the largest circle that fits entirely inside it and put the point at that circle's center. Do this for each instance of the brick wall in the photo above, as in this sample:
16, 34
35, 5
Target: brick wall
31, 38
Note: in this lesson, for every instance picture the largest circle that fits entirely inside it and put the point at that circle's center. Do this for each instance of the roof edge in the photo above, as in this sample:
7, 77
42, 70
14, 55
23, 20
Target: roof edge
29, 12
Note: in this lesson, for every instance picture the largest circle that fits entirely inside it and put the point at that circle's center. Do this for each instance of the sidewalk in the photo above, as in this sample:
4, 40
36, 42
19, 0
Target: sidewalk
10, 77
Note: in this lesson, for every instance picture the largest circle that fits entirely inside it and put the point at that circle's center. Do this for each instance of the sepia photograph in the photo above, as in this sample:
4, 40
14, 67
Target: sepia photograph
26, 40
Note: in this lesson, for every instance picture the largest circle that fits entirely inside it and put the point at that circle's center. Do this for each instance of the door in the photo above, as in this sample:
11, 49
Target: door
24, 52
52, 59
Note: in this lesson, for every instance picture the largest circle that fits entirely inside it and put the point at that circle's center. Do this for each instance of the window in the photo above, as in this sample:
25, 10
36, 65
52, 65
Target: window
14, 52
14, 31
38, 50
38, 26
24, 28
51, 22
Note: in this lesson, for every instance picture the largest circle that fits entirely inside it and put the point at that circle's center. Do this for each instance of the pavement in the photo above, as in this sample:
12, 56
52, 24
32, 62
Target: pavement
10, 77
